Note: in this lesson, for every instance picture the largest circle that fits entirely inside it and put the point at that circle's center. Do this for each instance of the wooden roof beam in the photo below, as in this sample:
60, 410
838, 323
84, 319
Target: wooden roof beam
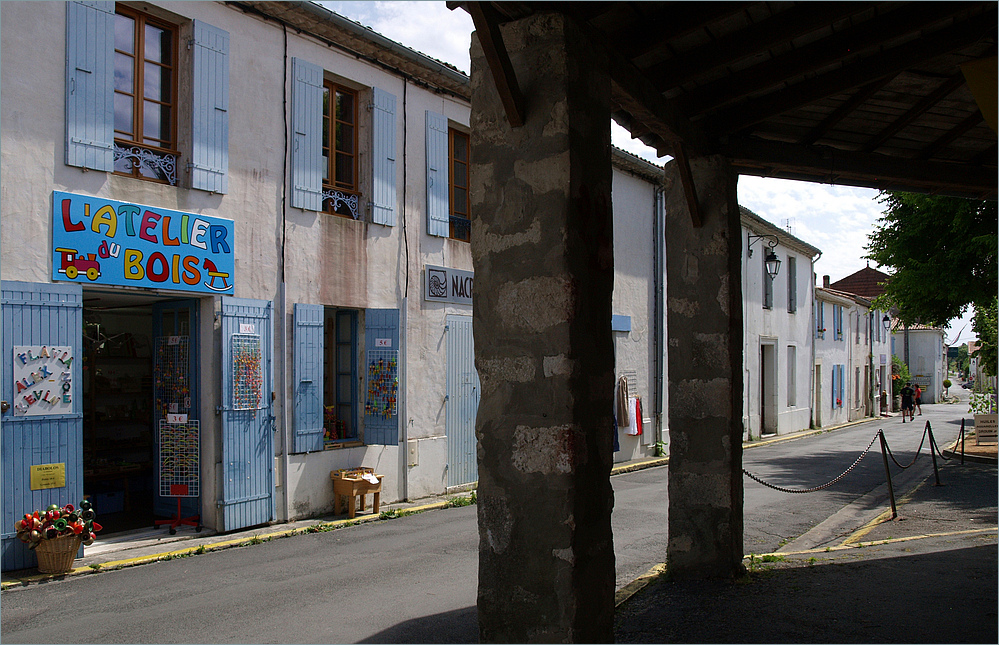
948, 86
987, 157
831, 164
845, 44
672, 21
486, 21
860, 97
953, 133
634, 93
858, 73
780, 28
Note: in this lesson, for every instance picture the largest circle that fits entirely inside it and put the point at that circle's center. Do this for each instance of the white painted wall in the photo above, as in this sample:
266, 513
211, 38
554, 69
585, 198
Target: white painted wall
830, 351
287, 255
926, 360
776, 329
634, 293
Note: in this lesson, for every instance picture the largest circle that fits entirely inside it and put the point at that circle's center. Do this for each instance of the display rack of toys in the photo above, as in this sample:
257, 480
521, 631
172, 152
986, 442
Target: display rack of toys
56, 534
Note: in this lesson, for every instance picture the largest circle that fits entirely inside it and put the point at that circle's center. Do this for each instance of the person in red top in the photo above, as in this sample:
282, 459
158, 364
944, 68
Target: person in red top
919, 400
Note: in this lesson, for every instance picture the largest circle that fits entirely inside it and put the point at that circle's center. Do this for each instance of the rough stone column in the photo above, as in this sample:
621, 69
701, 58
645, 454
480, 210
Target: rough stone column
704, 324
542, 251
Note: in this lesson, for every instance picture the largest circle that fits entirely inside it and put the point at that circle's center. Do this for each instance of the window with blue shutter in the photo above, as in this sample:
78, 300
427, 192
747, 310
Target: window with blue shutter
437, 175
89, 85
309, 359
842, 384
792, 284
383, 193
210, 109
835, 381
382, 384
306, 125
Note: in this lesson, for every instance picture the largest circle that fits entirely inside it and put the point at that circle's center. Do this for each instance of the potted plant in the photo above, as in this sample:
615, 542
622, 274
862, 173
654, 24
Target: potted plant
56, 534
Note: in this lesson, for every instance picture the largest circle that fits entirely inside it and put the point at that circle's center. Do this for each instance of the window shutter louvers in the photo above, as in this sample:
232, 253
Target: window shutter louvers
210, 109
307, 128
383, 194
89, 85
438, 216
309, 357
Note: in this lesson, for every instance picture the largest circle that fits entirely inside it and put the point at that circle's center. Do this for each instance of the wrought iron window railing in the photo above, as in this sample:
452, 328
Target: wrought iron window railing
151, 164
339, 199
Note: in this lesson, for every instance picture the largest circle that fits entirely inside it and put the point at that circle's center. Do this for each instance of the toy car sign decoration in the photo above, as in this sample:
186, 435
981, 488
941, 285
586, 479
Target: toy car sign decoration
103, 241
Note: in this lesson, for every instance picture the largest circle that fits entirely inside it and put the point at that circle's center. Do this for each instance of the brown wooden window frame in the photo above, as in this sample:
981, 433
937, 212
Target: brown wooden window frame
330, 151
137, 139
460, 221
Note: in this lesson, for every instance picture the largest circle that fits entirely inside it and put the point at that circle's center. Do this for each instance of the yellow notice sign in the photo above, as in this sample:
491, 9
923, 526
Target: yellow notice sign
48, 476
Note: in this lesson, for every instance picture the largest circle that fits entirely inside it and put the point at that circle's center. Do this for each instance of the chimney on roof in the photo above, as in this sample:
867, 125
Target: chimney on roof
825, 281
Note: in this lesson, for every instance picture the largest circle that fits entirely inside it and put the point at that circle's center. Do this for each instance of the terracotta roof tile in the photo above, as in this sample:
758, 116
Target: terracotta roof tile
866, 283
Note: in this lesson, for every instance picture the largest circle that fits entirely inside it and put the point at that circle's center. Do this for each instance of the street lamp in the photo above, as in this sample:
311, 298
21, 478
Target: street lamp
772, 261
886, 321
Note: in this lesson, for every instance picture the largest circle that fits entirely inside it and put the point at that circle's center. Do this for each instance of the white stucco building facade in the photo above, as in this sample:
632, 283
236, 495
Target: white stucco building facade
777, 329
926, 356
250, 224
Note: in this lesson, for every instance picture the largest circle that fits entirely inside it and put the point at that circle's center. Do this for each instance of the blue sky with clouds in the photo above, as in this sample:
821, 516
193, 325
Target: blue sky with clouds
835, 219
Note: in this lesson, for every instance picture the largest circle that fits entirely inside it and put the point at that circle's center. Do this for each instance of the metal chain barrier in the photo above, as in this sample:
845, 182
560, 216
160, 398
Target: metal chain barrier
918, 450
816, 488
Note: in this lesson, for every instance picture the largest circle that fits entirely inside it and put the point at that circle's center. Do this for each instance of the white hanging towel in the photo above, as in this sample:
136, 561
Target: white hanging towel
635, 411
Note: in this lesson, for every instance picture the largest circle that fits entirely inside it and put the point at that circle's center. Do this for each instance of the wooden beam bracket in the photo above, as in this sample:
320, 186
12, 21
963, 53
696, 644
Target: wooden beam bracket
486, 22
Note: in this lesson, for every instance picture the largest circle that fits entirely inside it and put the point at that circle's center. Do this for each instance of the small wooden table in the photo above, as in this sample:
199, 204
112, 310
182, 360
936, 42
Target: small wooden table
348, 483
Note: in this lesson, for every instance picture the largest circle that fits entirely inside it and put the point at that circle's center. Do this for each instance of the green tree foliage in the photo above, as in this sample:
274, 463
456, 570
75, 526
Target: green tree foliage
984, 324
941, 253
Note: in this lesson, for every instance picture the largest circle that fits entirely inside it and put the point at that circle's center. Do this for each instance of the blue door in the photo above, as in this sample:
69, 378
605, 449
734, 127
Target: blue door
247, 413
34, 315
175, 381
462, 402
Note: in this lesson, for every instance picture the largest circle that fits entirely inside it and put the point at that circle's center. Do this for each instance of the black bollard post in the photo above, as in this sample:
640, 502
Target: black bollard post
933, 452
891, 491
962, 441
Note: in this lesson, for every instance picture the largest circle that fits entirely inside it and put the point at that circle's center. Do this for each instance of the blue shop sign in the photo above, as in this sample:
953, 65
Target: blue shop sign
103, 241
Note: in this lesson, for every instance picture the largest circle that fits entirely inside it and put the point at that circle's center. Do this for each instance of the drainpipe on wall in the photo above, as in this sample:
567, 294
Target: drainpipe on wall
658, 342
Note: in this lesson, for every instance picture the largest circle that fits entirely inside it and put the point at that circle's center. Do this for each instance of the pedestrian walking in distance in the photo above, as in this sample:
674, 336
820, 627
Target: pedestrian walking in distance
907, 395
919, 400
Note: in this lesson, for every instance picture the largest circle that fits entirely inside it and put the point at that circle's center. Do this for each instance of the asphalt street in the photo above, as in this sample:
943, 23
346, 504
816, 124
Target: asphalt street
413, 579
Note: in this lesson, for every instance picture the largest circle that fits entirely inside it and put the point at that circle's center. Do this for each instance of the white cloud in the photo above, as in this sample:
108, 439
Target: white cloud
428, 27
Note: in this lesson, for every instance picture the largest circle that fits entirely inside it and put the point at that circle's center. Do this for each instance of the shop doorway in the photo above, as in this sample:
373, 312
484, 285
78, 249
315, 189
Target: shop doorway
132, 367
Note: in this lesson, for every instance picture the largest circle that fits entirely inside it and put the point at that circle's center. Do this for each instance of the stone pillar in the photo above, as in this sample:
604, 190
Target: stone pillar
704, 324
542, 251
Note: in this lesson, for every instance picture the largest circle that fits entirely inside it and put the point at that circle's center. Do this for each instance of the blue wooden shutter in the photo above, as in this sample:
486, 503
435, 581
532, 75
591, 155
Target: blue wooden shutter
210, 109
38, 314
792, 284
835, 380
383, 194
381, 325
309, 326
307, 135
247, 495
842, 388
437, 176
89, 85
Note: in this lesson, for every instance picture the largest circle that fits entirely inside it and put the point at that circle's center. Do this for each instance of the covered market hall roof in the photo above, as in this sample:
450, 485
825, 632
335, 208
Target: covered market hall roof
871, 94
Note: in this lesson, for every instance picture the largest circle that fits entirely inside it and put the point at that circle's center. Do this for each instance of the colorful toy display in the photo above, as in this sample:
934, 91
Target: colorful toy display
55, 522
383, 383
